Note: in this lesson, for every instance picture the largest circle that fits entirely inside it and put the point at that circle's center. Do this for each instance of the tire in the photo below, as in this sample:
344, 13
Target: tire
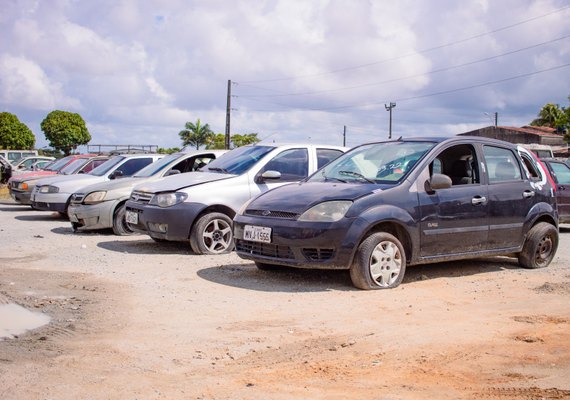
120, 226
212, 234
75, 227
379, 263
266, 267
539, 247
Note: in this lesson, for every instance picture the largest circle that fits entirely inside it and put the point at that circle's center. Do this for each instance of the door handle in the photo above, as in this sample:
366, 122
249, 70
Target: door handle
528, 193
478, 200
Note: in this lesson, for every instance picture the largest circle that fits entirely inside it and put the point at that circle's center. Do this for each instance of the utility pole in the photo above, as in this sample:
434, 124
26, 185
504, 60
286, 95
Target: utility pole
228, 111
389, 108
344, 137
496, 118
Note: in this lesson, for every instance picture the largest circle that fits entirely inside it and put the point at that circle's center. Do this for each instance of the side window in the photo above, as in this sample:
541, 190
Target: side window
561, 173
459, 163
292, 164
533, 172
325, 156
502, 165
133, 165
91, 164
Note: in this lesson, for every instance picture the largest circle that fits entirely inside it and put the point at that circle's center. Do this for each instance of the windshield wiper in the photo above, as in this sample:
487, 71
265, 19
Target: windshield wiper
225, 171
356, 174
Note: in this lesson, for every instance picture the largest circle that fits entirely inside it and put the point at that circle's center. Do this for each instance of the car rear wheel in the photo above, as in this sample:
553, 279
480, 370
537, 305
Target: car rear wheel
212, 234
379, 263
120, 226
539, 247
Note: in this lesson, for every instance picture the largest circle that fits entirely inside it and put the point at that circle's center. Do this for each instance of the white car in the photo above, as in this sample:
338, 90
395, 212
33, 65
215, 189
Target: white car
102, 205
199, 206
54, 193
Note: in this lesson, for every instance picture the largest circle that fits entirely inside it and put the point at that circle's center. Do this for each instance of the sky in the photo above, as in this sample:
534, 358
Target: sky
137, 71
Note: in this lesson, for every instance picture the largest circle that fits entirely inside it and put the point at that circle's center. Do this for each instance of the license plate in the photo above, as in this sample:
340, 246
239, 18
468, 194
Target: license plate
257, 233
132, 217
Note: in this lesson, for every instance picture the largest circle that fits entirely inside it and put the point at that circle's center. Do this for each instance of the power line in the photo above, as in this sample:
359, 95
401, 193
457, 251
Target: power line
406, 77
412, 53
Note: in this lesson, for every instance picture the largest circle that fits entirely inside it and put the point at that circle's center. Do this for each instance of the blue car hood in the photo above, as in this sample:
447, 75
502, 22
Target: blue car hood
299, 197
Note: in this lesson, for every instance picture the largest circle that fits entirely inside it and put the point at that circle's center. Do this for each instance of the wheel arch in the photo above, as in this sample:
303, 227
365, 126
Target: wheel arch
210, 209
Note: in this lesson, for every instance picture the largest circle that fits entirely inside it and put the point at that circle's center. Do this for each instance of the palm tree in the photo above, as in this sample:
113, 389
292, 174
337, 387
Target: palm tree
550, 115
195, 134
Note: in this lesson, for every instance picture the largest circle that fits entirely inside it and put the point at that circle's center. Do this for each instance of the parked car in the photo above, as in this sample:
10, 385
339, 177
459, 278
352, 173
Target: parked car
21, 186
25, 163
54, 193
560, 172
14, 155
5, 170
383, 206
199, 206
102, 205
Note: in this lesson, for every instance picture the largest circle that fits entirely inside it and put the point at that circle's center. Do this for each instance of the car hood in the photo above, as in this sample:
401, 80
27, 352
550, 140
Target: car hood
31, 175
70, 183
298, 197
180, 181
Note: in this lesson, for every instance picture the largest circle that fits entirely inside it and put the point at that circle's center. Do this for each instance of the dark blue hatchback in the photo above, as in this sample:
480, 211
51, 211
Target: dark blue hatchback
383, 206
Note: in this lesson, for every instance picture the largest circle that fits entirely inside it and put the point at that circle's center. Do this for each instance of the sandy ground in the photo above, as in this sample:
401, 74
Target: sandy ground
135, 319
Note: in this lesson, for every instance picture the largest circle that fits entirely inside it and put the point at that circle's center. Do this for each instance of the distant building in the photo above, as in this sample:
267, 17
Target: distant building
526, 135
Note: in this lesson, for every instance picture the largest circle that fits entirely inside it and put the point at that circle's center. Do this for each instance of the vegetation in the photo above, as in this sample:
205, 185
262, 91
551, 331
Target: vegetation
554, 116
168, 150
65, 130
15, 134
218, 141
196, 134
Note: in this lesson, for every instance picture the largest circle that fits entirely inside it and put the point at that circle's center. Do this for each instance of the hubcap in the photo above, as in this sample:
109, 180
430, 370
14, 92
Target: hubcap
217, 236
385, 263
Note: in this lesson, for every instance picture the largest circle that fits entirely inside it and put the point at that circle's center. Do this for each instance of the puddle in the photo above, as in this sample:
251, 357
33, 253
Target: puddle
15, 320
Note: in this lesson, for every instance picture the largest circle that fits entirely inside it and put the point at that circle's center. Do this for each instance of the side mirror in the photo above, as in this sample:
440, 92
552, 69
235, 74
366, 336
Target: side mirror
117, 174
437, 181
269, 176
173, 172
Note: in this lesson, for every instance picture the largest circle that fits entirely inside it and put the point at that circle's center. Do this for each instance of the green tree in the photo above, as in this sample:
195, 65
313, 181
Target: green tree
195, 134
15, 134
551, 115
65, 130
243, 140
168, 150
216, 142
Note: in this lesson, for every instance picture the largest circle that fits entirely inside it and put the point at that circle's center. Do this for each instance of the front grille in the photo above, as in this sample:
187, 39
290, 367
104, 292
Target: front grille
141, 197
264, 249
77, 198
318, 254
272, 214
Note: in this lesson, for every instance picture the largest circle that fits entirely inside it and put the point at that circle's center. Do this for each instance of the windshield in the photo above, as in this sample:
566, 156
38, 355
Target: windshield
156, 166
238, 160
73, 166
106, 166
58, 164
387, 162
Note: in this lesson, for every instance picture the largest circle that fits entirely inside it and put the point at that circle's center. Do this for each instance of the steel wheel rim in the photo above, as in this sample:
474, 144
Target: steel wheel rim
385, 263
217, 236
544, 250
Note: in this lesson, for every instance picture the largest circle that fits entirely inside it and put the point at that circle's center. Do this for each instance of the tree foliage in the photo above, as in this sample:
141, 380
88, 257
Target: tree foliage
65, 130
196, 134
218, 141
170, 150
15, 134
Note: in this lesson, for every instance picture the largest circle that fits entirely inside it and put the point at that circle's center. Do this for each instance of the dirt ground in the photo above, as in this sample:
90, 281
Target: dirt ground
135, 319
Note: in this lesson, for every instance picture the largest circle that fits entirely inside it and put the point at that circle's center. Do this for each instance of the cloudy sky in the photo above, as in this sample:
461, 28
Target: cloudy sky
137, 71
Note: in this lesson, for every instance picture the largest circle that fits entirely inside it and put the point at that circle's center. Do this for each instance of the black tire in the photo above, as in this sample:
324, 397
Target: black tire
379, 263
75, 227
120, 226
266, 267
212, 234
539, 247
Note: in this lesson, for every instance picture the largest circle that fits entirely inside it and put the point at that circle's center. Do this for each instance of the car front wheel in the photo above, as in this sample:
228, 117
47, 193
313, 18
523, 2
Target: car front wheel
540, 246
379, 263
120, 226
212, 234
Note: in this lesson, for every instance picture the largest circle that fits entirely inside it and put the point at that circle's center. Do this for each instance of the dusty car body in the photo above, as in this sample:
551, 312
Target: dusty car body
199, 206
102, 205
21, 186
560, 172
383, 206
54, 193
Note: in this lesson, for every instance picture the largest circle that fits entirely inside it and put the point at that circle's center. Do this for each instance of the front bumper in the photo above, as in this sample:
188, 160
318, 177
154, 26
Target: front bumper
317, 245
169, 223
21, 196
92, 216
50, 201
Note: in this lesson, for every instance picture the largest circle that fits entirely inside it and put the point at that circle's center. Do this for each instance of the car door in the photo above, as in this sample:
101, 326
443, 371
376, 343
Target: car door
454, 220
511, 197
561, 174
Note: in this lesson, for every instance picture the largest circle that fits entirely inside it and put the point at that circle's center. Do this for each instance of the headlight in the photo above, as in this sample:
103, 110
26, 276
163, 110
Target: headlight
329, 211
94, 197
168, 199
49, 189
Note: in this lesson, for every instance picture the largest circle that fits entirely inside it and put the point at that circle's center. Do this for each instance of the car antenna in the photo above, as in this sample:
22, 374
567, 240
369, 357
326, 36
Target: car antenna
399, 139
